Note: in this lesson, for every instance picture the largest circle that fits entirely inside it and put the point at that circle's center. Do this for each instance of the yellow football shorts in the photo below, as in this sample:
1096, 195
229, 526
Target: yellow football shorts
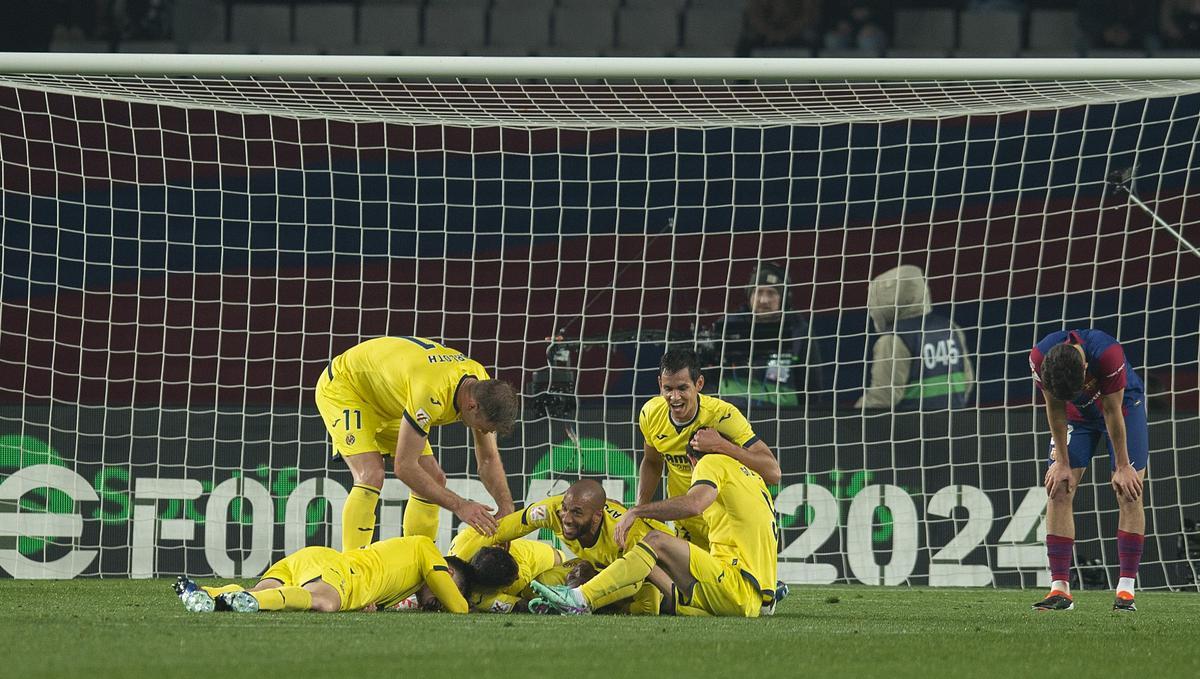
353, 424
693, 529
720, 589
311, 563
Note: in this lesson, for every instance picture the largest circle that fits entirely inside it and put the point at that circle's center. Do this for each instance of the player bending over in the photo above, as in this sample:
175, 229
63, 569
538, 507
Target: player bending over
1092, 394
585, 520
380, 398
324, 579
733, 578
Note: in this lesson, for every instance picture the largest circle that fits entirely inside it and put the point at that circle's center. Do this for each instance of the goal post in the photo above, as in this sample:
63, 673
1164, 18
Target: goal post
188, 239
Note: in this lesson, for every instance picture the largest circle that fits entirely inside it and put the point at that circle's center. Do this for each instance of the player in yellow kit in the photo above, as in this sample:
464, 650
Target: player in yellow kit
380, 398
669, 421
324, 579
735, 577
584, 519
500, 577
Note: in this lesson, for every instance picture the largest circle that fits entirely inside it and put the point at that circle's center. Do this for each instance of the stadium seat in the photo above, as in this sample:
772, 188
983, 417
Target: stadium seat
1052, 29
518, 26
583, 27
198, 21
325, 25
924, 29
458, 25
396, 26
712, 26
261, 24
651, 30
990, 32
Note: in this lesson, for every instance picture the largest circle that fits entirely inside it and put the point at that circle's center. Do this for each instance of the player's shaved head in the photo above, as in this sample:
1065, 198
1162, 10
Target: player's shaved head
582, 511
1062, 372
587, 493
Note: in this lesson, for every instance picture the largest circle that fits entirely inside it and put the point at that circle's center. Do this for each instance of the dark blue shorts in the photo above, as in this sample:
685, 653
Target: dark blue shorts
1083, 438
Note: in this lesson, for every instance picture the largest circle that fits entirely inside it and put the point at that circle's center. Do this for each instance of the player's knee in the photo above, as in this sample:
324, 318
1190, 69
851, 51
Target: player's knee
372, 476
325, 603
654, 539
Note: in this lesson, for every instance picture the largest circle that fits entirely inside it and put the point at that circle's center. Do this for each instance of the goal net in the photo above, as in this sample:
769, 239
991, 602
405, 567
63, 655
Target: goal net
182, 256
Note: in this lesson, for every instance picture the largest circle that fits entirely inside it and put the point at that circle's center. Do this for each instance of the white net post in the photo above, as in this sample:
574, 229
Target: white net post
183, 255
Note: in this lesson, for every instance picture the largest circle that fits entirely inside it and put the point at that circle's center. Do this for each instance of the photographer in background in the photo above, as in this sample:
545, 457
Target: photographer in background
766, 354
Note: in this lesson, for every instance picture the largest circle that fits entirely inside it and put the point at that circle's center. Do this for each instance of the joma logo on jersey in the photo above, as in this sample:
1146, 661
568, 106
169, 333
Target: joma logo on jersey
446, 358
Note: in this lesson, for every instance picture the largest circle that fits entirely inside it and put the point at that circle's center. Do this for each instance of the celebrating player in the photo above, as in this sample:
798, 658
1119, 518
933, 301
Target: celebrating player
681, 414
380, 398
1092, 393
733, 578
324, 579
500, 577
584, 519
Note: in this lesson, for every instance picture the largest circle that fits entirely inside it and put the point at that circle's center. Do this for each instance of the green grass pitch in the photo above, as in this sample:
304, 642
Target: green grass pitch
138, 628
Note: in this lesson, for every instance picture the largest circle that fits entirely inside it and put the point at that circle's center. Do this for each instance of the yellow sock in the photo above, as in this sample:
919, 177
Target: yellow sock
358, 517
214, 592
628, 570
283, 599
420, 517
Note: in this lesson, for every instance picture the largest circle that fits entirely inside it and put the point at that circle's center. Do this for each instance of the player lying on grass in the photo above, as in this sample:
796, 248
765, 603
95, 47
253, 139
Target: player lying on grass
733, 578
323, 579
500, 577
584, 519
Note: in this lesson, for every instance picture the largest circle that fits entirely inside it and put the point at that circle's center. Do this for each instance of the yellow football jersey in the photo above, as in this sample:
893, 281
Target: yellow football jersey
407, 377
671, 439
741, 521
388, 571
533, 559
544, 514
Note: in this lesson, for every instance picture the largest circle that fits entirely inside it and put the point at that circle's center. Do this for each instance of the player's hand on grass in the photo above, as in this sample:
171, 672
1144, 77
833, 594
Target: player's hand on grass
477, 516
621, 530
1127, 482
1058, 479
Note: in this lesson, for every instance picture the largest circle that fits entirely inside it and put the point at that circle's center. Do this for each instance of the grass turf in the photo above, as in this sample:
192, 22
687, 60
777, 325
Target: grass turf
138, 628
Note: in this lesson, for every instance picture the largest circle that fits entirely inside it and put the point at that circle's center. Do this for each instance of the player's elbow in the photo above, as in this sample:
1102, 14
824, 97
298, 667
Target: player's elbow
773, 474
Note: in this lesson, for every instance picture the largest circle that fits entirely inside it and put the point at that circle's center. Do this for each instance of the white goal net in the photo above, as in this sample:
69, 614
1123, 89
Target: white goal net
182, 255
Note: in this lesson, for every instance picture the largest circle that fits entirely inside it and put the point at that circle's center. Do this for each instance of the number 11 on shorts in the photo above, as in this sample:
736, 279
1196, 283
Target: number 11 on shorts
357, 418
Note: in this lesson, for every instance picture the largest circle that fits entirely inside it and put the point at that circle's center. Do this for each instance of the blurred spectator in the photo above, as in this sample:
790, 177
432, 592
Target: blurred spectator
1179, 23
1116, 24
768, 357
781, 23
146, 19
920, 361
858, 24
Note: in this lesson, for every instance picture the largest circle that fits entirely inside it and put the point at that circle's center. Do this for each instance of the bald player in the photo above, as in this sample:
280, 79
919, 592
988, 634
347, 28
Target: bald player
733, 578
584, 519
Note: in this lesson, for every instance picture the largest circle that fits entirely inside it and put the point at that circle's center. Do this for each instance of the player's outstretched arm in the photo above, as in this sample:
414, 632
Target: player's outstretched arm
491, 472
469, 541
443, 587
693, 503
649, 474
409, 445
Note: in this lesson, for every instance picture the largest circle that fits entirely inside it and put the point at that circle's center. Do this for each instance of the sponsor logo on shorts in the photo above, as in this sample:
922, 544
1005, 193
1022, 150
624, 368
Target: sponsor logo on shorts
350, 439
501, 607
